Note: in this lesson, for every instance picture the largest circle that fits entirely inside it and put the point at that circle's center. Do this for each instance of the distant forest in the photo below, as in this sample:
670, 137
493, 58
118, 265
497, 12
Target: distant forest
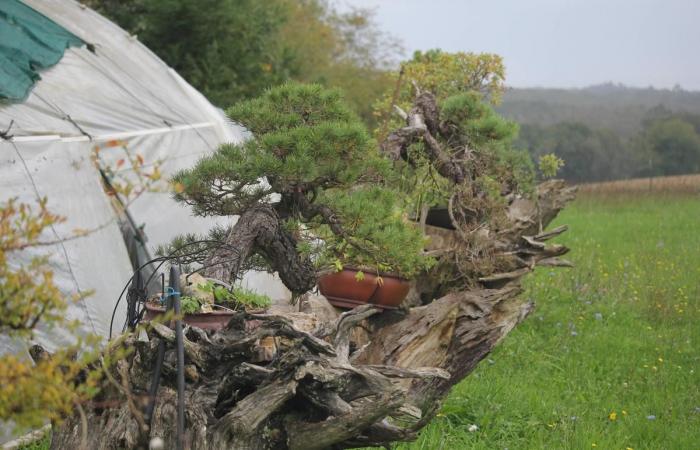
609, 131
603, 132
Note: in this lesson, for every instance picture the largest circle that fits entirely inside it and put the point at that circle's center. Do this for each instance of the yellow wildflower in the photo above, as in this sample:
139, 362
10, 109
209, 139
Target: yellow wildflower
612, 416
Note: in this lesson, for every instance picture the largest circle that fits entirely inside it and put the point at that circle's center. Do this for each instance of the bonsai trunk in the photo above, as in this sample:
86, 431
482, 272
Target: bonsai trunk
259, 230
315, 379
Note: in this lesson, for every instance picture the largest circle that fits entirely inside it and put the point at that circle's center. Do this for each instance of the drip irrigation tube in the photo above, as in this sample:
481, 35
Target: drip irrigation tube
175, 284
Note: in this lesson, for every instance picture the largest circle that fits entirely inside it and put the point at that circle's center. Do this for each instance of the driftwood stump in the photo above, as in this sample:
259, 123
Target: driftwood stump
317, 379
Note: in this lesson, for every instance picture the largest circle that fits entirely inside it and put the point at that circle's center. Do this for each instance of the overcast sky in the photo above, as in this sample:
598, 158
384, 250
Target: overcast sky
559, 43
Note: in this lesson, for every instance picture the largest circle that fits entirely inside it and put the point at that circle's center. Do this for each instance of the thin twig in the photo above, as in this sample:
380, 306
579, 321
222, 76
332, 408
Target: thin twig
124, 389
83, 426
394, 99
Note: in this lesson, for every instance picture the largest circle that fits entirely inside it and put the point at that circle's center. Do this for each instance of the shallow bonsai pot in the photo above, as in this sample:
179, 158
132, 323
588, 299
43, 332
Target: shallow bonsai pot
439, 217
343, 290
215, 320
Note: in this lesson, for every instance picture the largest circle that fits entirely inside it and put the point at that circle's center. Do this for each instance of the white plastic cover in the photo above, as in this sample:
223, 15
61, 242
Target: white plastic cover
121, 91
96, 262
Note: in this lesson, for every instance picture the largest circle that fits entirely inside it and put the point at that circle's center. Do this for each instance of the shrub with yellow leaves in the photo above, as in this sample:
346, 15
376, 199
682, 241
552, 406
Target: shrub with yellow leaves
34, 392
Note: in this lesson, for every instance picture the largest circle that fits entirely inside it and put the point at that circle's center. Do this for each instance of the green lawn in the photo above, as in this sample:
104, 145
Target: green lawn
610, 357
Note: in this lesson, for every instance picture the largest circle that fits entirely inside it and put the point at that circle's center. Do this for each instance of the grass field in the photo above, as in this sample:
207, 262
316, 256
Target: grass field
610, 359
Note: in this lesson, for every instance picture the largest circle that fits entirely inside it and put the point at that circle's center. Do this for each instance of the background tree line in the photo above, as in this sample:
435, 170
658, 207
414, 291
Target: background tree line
234, 49
610, 132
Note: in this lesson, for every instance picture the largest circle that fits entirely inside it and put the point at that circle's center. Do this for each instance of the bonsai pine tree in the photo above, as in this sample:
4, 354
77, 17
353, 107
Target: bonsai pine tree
456, 152
448, 133
310, 189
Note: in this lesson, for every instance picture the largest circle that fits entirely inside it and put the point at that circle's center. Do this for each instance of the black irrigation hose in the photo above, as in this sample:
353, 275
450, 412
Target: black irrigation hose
173, 302
126, 286
162, 260
148, 281
157, 371
179, 341
136, 295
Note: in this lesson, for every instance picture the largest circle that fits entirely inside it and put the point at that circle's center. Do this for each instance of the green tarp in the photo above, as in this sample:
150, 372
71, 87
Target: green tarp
29, 42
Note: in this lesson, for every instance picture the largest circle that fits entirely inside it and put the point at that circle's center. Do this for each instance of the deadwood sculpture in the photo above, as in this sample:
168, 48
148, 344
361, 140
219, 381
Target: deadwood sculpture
330, 380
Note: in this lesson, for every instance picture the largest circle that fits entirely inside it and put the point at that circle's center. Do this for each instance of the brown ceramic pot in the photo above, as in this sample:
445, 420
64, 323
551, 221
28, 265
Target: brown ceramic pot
215, 320
343, 290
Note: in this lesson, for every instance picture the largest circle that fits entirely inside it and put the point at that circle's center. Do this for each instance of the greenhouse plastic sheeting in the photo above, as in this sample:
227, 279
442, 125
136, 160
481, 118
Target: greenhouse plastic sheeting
120, 91
96, 262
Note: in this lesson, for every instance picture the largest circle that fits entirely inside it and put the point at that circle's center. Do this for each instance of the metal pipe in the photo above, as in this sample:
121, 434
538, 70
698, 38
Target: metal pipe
179, 341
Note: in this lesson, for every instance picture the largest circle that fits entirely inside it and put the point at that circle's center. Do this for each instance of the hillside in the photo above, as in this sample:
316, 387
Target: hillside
606, 106
609, 131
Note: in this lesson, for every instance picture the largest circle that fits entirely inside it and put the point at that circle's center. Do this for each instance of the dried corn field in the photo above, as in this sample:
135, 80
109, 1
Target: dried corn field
678, 184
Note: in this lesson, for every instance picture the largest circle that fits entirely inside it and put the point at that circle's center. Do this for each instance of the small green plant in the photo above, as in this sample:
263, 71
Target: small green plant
549, 165
190, 305
223, 295
247, 297
240, 296
237, 297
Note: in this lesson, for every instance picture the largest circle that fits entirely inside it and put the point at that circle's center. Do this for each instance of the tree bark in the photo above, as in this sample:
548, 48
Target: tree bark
259, 230
423, 124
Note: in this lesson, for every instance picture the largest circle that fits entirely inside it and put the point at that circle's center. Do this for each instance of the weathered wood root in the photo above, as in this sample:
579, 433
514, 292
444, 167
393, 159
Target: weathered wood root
374, 379
308, 396
327, 380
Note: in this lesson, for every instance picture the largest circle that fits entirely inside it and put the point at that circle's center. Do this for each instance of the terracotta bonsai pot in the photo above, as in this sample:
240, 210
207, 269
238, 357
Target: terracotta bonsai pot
215, 320
343, 290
